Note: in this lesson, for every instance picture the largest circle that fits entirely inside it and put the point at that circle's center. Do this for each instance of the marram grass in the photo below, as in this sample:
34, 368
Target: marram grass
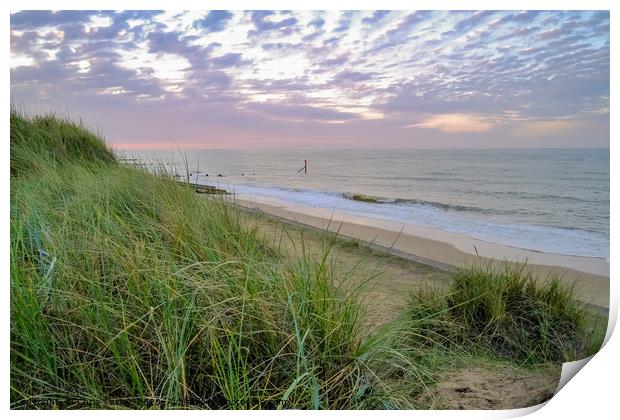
129, 290
507, 310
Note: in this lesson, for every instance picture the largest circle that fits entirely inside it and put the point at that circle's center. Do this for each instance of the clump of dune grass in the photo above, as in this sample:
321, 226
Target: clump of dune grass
40, 141
129, 290
509, 311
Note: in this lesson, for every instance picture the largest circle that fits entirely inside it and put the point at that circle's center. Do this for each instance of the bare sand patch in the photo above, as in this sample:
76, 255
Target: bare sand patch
485, 388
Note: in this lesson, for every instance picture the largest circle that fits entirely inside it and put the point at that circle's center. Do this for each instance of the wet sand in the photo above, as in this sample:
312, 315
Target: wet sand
442, 249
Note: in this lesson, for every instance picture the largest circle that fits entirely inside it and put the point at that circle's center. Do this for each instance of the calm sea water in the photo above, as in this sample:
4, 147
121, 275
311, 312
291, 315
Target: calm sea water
552, 200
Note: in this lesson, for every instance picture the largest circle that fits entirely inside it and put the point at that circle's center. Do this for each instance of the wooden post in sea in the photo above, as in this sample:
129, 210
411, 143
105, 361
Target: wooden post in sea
305, 167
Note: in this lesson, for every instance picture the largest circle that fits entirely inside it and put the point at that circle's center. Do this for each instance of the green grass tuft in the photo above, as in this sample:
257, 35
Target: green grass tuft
44, 140
509, 312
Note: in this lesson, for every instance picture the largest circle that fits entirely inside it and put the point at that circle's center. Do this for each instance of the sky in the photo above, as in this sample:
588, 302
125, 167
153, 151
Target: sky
319, 79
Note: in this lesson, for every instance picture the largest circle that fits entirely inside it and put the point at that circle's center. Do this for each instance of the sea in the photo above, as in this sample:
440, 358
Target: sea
549, 200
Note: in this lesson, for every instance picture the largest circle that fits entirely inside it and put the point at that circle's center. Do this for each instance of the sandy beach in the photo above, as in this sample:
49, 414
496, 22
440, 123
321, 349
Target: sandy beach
442, 249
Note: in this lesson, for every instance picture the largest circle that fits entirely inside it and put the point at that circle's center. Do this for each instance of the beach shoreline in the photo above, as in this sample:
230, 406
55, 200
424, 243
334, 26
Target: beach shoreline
440, 248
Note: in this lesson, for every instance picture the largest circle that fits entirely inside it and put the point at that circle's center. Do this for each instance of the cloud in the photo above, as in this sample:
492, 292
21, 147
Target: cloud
228, 60
520, 18
403, 30
376, 17
215, 21
344, 23
104, 75
459, 70
543, 128
280, 46
300, 113
263, 23
353, 76
455, 123
317, 23
550, 34
472, 20
172, 42
45, 18
330, 63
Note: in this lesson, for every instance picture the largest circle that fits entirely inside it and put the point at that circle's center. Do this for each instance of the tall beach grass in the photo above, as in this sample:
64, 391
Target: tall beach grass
507, 310
129, 290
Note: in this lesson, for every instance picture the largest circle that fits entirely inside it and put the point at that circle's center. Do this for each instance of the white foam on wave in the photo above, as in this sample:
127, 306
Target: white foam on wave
537, 238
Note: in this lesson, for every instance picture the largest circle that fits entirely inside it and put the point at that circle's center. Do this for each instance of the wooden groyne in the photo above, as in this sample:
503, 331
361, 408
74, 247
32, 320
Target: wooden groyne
203, 189
199, 188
